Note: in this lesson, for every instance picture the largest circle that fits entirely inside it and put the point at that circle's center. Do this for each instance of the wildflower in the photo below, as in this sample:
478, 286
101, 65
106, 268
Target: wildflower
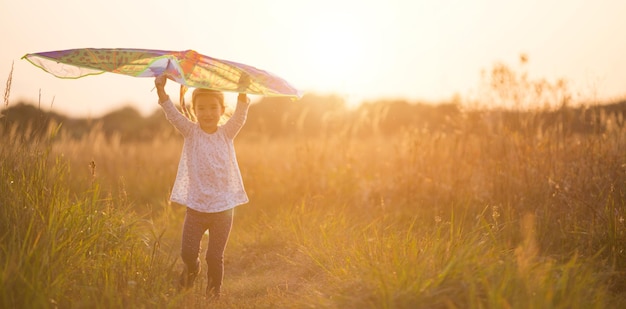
495, 214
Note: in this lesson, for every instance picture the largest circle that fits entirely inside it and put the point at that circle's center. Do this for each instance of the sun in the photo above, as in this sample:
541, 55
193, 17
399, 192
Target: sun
335, 54
336, 48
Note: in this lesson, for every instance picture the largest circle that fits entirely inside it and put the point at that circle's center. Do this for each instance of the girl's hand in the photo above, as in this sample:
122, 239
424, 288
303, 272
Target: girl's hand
244, 82
242, 86
160, 81
159, 84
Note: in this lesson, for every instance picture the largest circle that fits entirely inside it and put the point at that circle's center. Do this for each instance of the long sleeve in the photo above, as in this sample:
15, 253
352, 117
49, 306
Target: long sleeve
237, 120
208, 177
178, 120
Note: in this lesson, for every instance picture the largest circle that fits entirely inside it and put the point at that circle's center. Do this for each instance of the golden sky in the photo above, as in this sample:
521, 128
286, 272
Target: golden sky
363, 50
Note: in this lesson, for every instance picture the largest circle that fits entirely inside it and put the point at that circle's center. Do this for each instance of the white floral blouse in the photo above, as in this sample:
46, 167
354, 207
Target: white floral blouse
208, 177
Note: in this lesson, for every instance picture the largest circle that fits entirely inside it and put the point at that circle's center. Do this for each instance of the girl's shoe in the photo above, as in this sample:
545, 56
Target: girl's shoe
212, 292
187, 277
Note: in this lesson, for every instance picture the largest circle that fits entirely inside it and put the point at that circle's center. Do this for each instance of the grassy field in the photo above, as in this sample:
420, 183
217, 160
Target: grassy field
487, 215
494, 219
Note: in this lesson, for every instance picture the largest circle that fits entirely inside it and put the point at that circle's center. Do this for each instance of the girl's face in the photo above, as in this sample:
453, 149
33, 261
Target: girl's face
208, 111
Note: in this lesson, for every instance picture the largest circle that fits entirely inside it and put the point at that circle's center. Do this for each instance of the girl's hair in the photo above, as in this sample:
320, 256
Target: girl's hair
206, 92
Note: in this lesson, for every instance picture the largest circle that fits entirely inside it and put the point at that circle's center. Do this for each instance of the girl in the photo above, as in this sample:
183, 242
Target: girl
208, 181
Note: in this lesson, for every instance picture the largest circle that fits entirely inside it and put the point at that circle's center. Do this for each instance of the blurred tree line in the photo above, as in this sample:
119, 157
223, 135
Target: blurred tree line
318, 116
526, 105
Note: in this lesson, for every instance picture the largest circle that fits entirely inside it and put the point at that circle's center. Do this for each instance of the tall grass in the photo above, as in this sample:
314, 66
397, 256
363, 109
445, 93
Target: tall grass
67, 248
420, 219
434, 221
71, 249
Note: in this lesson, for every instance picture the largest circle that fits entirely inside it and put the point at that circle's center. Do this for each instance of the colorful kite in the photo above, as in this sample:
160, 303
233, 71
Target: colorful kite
187, 68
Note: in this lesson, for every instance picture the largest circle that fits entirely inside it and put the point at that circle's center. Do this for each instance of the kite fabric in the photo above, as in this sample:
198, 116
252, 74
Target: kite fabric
187, 68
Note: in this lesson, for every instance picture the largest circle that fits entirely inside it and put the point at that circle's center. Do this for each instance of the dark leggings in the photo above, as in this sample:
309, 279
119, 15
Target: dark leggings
219, 225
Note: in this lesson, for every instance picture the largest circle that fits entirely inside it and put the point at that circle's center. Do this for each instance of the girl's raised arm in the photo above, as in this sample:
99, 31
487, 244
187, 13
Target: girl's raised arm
238, 119
178, 120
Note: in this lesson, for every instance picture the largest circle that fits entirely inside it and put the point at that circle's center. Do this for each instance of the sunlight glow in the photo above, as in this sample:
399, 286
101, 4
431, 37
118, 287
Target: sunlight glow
360, 49
334, 53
